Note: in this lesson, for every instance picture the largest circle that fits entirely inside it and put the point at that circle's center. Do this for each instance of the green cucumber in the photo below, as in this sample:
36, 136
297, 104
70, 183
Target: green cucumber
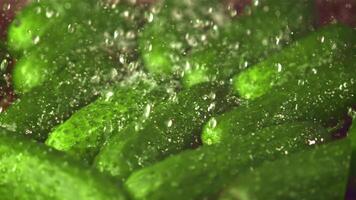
352, 135
38, 17
174, 125
310, 54
318, 174
83, 134
29, 170
83, 77
323, 97
270, 25
110, 30
203, 172
175, 28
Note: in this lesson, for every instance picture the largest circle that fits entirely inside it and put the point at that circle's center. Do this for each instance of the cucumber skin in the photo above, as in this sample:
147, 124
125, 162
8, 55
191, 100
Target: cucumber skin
323, 47
318, 174
203, 172
174, 125
248, 40
323, 97
352, 135
29, 170
35, 113
84, 133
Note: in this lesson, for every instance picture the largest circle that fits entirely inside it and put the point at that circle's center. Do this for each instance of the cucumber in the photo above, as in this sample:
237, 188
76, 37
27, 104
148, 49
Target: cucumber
323, 97
320, 173
269, 26
174, 125
175, 28
38, 17
83, 77
352, 136
203, 172
29, 170
110, 30
83, 134
300, 176
310, 54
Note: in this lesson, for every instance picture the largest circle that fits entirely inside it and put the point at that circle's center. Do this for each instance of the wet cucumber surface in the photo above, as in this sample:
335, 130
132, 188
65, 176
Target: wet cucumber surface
177, 99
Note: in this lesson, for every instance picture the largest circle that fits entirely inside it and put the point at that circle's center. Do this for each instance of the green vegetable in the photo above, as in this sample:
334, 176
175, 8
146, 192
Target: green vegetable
203, 172
352, 135
310, 54
320, 173
29, 170
270, 25
323, 96
39, 17
172, 126
175, 28
83, 77
95, 27
83, 134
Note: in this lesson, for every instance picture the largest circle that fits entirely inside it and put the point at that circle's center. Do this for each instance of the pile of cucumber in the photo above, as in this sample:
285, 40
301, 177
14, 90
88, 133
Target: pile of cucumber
180, 99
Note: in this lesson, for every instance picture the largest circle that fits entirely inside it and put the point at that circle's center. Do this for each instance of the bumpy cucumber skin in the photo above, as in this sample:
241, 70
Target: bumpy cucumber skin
83, 134
95, 27
173, 126
323, 97
352, 135
250, 39
177, 27
29, 170
203, 172
83, 77
310, 54
318, 174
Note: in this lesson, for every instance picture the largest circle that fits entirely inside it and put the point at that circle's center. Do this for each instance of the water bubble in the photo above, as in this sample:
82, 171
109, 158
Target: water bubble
36, 39
212, 123
147, 110
211, 107
150, 18
49, 13
169, 123
109, 95
311, 142
279, 67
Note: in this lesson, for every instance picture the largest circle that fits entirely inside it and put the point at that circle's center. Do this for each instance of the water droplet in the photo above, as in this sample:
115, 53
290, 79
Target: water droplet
147, 110
279, 67
36, 40
169, 123
212, 123
150, 18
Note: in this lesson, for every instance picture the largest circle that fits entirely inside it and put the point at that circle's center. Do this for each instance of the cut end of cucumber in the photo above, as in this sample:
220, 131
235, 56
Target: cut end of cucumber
28, 74
158, 63
195, 77
253, 83
26, 31
211, 133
